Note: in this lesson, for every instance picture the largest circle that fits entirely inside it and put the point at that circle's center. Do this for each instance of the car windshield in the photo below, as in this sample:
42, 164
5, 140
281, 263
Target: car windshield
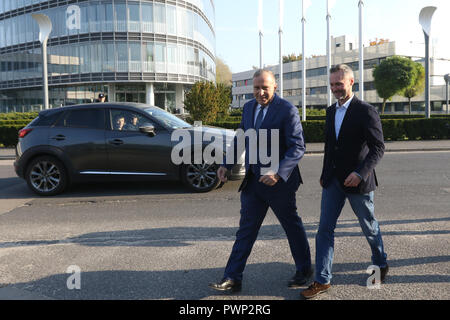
167, 118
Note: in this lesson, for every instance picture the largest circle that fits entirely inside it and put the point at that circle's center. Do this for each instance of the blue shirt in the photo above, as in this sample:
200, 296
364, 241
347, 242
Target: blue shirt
339, 118
340, 114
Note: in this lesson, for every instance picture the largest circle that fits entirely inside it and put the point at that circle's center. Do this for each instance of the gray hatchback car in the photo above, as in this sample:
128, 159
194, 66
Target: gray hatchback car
111, 141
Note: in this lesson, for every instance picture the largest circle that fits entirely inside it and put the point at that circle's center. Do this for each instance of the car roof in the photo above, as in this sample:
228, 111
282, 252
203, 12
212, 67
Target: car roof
126, 105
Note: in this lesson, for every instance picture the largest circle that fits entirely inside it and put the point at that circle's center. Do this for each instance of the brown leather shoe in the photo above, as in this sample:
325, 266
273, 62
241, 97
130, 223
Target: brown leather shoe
315, 289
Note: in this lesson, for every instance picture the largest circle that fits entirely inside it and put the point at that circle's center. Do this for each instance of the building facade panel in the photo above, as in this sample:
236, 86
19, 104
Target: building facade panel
116, 43
344, 51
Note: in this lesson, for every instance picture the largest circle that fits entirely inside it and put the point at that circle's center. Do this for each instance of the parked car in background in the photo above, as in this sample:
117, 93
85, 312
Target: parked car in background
108, 142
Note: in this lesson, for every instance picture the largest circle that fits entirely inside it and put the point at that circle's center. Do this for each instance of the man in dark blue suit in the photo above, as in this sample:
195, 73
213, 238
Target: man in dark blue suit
262, 188
354, 145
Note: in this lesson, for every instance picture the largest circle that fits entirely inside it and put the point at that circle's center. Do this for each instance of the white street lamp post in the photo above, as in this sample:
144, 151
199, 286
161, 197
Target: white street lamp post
280, 33
45, 27
361, 51
260, 28
328, 55
447, 80
425, 16
303, 63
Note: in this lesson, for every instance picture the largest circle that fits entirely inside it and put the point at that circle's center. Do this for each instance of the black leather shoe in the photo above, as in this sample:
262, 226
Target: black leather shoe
383, 273
300, 278
227, 285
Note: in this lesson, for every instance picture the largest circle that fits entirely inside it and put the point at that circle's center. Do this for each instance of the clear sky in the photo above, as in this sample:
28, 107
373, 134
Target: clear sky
237, 40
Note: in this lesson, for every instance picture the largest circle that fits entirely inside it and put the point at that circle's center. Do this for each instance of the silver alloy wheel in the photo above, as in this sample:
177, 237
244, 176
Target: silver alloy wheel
201, 176
45, 176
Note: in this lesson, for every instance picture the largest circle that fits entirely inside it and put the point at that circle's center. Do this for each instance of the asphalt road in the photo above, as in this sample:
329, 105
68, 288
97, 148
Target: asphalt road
156, 241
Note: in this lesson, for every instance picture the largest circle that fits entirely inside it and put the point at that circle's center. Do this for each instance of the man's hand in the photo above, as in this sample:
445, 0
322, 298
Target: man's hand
270, 179
353, 180
222, 174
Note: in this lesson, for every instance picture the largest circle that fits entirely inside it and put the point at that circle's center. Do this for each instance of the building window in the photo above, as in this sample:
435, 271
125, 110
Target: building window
147, 17
160, 57
133, 17
318, 90
122, 56
135, 57
316, 72
108, 57
171, 19
148, 57
120, 14
160, 18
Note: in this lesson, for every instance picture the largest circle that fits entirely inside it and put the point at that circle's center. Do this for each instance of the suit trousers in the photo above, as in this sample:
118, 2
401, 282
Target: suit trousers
256, 198
333, 200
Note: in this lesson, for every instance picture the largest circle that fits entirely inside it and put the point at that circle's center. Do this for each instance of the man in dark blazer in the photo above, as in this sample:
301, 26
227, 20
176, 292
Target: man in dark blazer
354, 145
261, 189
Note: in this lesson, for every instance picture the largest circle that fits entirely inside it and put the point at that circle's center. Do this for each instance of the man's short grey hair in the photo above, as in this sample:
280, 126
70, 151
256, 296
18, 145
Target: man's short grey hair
344, 68
259, 72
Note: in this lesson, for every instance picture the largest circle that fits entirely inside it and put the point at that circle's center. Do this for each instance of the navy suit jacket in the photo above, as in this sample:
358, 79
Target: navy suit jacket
283, 116
358, 148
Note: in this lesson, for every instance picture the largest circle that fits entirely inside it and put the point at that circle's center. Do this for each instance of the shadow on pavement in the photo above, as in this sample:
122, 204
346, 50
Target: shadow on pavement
266, 279
260, 280
16, 188
186, 236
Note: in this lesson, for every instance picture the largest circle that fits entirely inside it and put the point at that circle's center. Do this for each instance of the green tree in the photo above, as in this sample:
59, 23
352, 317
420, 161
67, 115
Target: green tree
223, 72
206, 101
292, 57
418, 85
392, 76
224, 99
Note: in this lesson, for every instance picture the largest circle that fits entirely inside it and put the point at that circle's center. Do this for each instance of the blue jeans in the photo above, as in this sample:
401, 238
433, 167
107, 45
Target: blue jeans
333, 200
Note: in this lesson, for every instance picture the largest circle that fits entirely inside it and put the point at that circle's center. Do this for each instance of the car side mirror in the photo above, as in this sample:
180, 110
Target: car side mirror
148, 129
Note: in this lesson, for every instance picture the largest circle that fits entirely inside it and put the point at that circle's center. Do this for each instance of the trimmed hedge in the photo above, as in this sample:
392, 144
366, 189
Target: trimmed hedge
14, 122
234, 118
9, 135
438, 127
393, 130
18, 116
11, 123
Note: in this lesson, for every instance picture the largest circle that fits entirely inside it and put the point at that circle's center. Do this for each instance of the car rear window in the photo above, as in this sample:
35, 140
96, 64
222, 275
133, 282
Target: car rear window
44, 120
84, 118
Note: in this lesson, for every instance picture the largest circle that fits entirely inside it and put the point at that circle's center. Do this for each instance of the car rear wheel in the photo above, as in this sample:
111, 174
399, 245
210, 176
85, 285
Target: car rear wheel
200, 177
46, 176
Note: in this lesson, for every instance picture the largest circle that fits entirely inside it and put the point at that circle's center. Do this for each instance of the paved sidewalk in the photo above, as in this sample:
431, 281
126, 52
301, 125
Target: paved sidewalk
397, 146
317, 148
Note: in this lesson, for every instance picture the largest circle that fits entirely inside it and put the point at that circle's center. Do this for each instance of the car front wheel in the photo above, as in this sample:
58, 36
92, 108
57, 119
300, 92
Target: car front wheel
46, 176
200, 177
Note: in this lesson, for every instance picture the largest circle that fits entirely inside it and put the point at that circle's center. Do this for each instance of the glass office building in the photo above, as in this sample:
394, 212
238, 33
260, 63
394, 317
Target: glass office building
131, 50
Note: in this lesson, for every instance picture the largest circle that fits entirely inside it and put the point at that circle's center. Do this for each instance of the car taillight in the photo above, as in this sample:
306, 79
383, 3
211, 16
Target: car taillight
24, 132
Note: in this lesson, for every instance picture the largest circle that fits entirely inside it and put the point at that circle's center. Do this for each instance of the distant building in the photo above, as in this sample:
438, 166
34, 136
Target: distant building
346, 51
131, 50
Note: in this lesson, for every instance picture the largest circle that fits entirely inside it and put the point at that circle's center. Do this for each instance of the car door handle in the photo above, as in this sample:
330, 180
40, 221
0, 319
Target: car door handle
116, 142
59, 137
